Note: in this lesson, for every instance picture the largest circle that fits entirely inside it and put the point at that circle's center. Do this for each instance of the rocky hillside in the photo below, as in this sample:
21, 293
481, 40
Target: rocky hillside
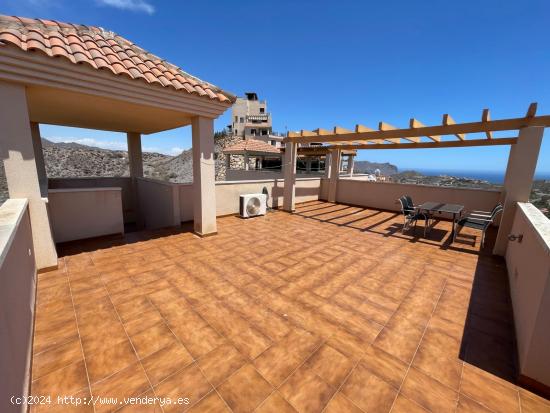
369, 167
65, 160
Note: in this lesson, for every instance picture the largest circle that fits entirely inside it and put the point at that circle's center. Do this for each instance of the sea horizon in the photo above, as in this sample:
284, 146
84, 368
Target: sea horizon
495, 177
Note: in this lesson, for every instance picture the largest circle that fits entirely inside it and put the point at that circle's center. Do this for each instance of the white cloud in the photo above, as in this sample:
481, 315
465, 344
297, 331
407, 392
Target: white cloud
113, 145
175, 151
133, 5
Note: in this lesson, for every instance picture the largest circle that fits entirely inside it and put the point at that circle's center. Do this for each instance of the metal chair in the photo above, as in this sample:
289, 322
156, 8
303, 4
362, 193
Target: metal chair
411, 215
478, 221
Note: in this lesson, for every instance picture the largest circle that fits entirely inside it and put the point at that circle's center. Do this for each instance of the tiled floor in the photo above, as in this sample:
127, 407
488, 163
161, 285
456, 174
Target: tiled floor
330, 309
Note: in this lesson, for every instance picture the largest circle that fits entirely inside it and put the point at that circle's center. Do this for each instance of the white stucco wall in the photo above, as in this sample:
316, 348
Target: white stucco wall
385, 195
158, 203
17, 297
528, 264
85, 213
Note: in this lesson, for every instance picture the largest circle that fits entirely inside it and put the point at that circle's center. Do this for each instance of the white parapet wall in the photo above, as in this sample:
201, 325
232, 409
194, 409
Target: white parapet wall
528, 264
17, 297
385, 195
159, 203
81, 213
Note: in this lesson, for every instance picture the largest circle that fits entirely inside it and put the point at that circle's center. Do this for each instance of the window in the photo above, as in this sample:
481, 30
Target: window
262, 110
236, 119
264, 132
236, 131
242, 120
253, 132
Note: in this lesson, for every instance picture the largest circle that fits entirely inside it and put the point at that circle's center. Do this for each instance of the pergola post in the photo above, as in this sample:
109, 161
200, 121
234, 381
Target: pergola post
350, 164
518, 180
246, 162
135, 163
135, 155
39, 158
291, 151
204, 185
20, 165
308, 165
335, 159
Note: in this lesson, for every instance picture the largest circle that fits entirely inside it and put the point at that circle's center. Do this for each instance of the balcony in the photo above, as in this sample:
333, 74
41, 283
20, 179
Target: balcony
363, 319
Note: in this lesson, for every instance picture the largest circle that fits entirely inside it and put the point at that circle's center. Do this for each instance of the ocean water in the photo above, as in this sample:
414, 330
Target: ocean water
495, 177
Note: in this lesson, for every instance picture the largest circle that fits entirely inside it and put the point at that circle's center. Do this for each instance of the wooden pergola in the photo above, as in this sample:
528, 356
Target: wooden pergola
522, 161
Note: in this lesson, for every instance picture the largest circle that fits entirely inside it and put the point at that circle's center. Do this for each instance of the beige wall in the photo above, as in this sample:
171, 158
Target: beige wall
17, 296
85, 213
185, 193
124, 183
528, 265
384, 195
158, 203
227, 193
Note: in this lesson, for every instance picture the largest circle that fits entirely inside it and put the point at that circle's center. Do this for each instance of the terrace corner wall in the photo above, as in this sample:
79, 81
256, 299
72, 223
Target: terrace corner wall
17, 298
85, 213
384, 195
528, 265
159, 204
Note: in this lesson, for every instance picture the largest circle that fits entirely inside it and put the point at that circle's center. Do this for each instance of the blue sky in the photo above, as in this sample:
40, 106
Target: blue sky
325, 63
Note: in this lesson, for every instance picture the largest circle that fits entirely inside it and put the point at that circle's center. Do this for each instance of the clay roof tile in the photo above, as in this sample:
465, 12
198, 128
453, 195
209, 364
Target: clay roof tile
102, 50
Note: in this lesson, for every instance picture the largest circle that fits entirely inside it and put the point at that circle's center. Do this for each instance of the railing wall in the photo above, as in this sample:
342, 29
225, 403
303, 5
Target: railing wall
384, 195
159, 204
17, 298
528, 264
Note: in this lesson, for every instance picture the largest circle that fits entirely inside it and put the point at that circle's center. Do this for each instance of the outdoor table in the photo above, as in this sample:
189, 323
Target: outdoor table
431, 207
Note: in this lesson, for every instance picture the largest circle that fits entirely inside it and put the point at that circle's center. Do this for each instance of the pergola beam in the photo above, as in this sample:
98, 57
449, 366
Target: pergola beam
449, 129
415, 123
444, 144
486, 117
448, 120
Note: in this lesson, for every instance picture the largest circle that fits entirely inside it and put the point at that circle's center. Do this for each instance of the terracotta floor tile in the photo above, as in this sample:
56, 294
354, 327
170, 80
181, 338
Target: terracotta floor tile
386, 366
368, 391
428, 392
56, 358
220, 363
467, 405
531, 403
489, 391
444, 369
152, 339
277, 304
330, 365
245, 390
66, 381
129, 382
165, 362
404, 405
103, 363
142, 322
250, 342
341, 404
212, 403
187, 383
275, 403
400, 338
306, 391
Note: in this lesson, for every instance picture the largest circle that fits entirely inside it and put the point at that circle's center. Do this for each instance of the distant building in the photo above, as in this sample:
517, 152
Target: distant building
251, 120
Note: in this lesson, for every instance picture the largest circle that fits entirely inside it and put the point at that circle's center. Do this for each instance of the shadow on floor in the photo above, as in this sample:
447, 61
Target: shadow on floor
488, 341
131, 236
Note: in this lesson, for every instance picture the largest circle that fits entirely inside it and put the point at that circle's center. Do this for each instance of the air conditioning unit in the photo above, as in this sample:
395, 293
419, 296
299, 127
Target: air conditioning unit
252, 205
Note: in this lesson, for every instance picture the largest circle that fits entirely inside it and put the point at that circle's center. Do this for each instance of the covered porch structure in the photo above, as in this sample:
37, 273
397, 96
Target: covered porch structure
80, 76
522, 161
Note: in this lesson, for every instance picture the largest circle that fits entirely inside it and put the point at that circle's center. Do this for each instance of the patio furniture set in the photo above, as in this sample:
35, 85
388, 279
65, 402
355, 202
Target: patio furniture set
480, 220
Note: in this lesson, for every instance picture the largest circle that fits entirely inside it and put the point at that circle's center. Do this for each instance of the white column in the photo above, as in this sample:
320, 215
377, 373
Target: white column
204, 187
135, 155
308, 165
246, 162
21, 169
328, 165
335, 159
289, 201
351, 159
518, 181
39, 157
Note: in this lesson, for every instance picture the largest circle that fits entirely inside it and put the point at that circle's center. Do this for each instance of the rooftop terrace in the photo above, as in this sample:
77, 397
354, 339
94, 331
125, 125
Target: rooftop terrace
328, 309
